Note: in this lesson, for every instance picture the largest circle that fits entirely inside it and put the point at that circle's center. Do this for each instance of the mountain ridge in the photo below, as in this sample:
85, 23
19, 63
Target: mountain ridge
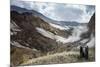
61, 23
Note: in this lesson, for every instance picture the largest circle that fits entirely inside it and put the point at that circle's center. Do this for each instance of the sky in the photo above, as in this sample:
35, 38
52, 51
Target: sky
59, 11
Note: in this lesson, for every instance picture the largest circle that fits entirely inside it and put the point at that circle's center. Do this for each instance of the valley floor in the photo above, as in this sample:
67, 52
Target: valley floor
63, 57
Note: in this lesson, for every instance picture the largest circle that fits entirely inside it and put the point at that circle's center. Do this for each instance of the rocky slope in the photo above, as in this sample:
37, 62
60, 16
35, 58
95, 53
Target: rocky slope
26, 37
91, 24
26, 26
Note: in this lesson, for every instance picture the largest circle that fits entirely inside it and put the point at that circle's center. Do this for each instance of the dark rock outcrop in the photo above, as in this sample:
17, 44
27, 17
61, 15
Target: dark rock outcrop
91, 24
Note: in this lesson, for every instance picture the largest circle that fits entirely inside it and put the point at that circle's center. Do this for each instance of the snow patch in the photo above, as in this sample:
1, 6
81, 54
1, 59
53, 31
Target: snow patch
45, 33
78, 30
51, 35
14, 43
60, 39
59, 27
75, 34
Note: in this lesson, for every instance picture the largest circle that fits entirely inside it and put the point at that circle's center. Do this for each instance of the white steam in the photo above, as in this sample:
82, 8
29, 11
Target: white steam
76, 33
91, 43
74, 37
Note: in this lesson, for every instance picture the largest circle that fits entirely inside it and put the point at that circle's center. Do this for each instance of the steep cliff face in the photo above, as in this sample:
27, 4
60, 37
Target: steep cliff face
91, 24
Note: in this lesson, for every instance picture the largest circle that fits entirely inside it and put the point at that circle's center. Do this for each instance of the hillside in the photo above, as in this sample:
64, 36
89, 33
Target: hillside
25, 34
35, 37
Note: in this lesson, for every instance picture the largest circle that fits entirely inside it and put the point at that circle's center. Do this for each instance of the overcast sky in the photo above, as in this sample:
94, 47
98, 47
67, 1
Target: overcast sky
59, 11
